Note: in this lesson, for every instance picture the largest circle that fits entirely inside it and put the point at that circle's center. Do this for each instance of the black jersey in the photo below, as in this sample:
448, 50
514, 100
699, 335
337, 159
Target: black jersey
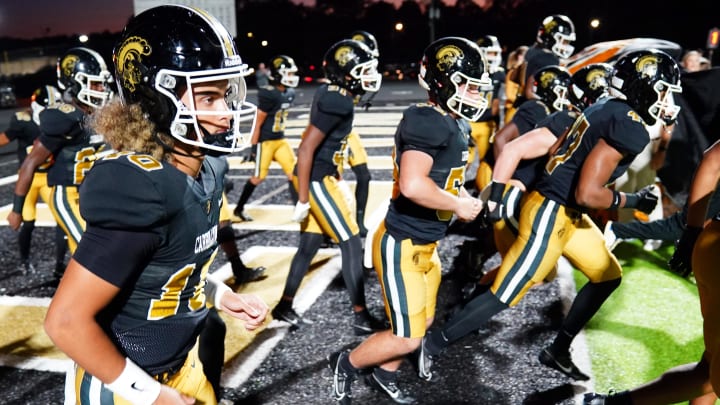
275, 104
24, 130
536, 59
609, 119
528, 171
161, 309
430, 130
72, 145
332, 112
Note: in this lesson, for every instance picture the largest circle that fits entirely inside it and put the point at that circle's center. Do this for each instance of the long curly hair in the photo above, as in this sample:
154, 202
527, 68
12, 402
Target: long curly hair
127, 129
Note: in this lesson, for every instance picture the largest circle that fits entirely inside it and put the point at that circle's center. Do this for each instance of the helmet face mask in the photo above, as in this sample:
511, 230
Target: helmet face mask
156, 65
366, 73
646, 80
557, 33
490, 47
82, 74
452, 70
551, 85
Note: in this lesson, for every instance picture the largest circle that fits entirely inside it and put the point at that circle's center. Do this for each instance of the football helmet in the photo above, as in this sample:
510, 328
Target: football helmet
367, 39
283, 70
84, 77
490, 47
551, 84
42, 98
350, 65
449, 63
647, 79
169, 49
590, 83
557, 33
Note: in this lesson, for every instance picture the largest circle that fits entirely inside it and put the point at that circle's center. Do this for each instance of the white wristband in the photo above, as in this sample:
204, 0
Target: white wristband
135, 385
219, 291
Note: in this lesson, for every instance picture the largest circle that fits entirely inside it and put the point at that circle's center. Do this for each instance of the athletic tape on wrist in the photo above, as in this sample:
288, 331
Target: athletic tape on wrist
135, 385
18, 202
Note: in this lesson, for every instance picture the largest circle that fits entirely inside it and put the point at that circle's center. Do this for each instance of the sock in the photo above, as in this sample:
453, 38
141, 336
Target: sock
562, 342
346, 366
385, 376
24, 239
293, 192
245, 196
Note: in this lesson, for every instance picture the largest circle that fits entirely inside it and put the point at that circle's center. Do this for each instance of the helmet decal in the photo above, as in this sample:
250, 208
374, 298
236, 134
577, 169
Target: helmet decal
647, 66
131, 51
597, 79
344, 55
448, 57
547, 77
67, 64
549, 23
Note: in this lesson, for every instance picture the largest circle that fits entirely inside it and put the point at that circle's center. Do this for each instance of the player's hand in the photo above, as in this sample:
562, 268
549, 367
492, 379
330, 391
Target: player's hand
301, 211
170, 396
494, 207
250, 154
14, 220
468, 208
247, 307
681, 261
644, 200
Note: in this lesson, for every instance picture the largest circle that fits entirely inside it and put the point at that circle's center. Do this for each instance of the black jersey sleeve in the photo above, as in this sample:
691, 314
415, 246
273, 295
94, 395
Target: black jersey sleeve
628, 136
120, 196
557, 122
17, 123
60, 126
333, 107
529, 114
115, 255
268, 99
423, 129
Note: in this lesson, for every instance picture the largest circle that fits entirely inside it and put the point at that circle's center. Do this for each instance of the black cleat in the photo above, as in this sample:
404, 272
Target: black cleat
240, 213
365, 324
562, 363
593, 398
342, 380
290, 316
389, 388
424, 360
249, 274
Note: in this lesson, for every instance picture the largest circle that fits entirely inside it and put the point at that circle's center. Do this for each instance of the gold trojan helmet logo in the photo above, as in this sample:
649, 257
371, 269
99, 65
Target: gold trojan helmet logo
647, 66
448, 56
549, 24
546, 79
344, 55
131, 53
67, 64
358, 37
596, 79
278, 62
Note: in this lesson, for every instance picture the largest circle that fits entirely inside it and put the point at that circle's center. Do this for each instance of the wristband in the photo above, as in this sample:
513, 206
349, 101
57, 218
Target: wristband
616, 200
135, 385
18, 202
496, 191
631, 200
219, 291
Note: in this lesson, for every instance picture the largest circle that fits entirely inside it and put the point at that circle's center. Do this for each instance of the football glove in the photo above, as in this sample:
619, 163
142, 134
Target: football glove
644, 200
681, 261
250, 154
301, 211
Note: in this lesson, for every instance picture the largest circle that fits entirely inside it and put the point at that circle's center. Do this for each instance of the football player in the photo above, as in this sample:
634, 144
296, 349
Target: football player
553, 43
697, 251
483, 129
85, 82
268, 140
25, 128
132, 302
598, 148
430, 155
322, 208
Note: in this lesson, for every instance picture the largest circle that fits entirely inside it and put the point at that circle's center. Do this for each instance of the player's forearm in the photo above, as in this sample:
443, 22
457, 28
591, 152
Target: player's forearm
703, 185
424, 192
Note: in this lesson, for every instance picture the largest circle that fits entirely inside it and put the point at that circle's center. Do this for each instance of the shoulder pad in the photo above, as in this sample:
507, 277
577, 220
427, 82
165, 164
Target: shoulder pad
129, 191
335, 101
23, 116
424, 125
64, 120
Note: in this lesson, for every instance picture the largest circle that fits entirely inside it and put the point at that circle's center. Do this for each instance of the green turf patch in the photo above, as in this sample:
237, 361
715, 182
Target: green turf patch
652, 322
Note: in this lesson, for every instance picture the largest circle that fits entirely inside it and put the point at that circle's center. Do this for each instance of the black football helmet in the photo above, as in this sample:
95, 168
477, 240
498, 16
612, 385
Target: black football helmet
350, 65
283, 70
447, 64
647, 79
557, 33
490, 47
551, 84
590, 83
42, 98
167, 49
367, 39
84, 77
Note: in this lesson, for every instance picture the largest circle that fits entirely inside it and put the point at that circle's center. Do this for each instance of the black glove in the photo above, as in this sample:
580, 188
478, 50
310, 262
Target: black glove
250, 154
644, 200
681, 261
494, 209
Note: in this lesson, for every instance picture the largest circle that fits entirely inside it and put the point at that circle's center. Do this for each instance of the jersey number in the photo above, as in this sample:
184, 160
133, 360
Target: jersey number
455, 180
568, 147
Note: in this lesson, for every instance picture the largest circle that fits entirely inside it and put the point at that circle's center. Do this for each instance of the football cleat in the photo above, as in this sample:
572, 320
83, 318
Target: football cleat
611, 240
365, 324
342, 380
563, 364
390, 388
289, 315
593, 398
241, 215
424, 360
248, 274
